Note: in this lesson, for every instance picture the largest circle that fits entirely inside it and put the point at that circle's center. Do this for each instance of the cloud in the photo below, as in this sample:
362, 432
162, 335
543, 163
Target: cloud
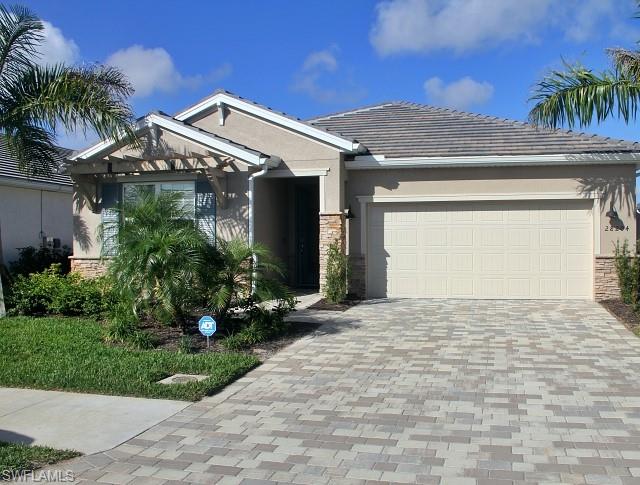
461, 94
422, 26
152, 70
56, 48
321, 68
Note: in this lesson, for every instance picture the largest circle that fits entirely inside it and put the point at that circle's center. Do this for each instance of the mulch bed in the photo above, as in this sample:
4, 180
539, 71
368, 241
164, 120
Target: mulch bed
334, 307
624, 313
168, 338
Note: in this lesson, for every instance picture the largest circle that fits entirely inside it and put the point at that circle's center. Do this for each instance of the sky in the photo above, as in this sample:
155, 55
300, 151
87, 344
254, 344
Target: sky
309, 58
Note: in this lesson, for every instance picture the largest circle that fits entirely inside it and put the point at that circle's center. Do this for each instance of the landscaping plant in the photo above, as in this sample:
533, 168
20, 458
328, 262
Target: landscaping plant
335, 289
53, 293
242, 276
36, 260
159, 253
628, 270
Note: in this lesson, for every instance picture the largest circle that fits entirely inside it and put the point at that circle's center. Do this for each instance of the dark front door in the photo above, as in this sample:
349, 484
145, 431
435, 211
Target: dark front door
307, 231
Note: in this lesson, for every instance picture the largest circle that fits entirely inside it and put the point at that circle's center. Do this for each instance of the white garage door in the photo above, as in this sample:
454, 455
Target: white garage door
498, 249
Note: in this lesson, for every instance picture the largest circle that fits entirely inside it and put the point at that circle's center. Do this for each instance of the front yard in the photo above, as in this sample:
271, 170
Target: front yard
16, 459
69, 354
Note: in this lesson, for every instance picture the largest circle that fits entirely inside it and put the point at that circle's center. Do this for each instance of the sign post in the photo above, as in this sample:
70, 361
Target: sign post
207, 327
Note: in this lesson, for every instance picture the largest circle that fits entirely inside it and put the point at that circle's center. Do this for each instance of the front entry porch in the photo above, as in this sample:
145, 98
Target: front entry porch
287, 221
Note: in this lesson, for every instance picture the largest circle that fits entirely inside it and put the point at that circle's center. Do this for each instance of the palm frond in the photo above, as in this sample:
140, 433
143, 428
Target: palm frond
579, 95
75, 97
626, 62
20, 36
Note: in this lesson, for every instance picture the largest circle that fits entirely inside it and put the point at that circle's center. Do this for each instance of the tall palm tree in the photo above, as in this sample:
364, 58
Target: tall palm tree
37, 100
577, 94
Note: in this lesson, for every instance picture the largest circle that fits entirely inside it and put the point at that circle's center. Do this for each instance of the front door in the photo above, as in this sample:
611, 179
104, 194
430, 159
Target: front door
307, 232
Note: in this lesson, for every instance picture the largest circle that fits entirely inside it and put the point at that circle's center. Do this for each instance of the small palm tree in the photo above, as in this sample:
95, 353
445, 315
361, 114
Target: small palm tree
243, 273
577, 95
36, 100
158, 258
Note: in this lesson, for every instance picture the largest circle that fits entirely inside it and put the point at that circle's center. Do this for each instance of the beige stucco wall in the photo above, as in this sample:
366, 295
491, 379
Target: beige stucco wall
85, 230
21, 215
296, 151
615, 182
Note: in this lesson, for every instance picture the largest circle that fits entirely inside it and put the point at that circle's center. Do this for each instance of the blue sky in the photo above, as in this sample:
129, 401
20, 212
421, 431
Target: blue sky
313, 57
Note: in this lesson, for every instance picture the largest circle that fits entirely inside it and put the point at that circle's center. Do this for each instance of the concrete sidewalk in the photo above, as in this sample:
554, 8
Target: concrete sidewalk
89, 423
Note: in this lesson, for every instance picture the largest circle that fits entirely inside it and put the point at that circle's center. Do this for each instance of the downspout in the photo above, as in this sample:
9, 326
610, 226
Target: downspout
271, 162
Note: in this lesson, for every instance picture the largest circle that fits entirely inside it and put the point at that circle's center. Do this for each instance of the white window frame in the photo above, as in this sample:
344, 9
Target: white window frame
157, 188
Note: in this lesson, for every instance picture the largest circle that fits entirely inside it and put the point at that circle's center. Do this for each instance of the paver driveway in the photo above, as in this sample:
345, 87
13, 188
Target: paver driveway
421, 391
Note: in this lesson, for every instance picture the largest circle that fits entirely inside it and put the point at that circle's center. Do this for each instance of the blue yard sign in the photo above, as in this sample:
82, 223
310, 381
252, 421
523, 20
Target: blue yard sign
207, 327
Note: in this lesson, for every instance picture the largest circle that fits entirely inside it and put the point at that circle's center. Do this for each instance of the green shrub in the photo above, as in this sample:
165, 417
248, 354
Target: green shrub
628, 270
261, 325
53, 293
185, 345
335, 290
37, 260
123, 328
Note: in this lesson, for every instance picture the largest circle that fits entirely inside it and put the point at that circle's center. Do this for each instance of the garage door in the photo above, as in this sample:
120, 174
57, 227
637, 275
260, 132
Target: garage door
498, 249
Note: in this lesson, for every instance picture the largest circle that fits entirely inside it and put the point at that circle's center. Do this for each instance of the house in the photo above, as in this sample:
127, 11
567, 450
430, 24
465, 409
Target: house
34, 210
427, 202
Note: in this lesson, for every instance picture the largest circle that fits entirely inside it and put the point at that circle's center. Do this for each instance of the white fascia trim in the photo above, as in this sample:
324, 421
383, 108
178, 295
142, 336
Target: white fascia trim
381, 162
271, 116
297, 172
215, 143
186, 133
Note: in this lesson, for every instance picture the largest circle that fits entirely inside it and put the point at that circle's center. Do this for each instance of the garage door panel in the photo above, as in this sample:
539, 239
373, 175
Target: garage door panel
505, 249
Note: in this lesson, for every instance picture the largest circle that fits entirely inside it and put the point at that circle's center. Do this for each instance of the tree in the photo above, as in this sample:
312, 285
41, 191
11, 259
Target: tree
577, 95
241, 275
37, 100
158, 258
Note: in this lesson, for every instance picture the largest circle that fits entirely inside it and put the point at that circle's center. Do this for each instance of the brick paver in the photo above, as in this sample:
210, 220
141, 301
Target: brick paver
414, 391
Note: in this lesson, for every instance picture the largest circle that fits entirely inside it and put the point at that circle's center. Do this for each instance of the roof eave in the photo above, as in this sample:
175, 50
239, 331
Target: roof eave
369, 162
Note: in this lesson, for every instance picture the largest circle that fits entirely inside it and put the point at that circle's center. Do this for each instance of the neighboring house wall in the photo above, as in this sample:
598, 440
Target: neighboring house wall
615, 183
28, 213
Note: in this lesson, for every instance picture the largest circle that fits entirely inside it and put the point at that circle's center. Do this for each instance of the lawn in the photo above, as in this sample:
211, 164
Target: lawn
69, 354
15, 459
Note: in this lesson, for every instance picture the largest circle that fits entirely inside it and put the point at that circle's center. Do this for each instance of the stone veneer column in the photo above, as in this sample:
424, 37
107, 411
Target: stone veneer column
605, 279
89, 268
332, 228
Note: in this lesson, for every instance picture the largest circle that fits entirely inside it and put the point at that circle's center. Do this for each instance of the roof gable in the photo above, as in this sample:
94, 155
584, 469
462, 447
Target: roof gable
409, 130
186, 132
221, 98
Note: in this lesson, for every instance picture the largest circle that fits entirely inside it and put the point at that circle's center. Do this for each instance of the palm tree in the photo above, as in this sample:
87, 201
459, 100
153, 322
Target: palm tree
158, 258
242, 273
36, 100
577, 95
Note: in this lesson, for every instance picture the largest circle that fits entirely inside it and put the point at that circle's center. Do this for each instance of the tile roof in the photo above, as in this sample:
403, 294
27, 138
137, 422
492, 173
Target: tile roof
9, 168
403, 129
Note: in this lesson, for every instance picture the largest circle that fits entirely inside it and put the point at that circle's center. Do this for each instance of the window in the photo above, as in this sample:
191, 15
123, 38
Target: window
186, 191
197, 198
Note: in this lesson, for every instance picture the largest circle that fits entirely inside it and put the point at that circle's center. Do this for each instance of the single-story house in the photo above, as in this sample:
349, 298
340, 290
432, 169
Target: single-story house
34, 210
426, 202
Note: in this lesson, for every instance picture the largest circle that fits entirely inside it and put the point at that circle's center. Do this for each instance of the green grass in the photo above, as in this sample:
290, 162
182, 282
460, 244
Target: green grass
69, 354
19, 458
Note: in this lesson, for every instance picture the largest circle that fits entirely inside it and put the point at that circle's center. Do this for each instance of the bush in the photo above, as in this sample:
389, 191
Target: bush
261, 325
37, 260
335, 290
628, 269
53, 293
